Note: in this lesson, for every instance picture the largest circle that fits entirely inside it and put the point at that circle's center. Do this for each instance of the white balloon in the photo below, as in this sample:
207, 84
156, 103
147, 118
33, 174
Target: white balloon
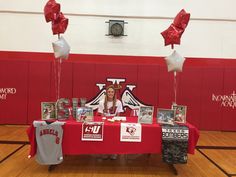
175, 62
61, 48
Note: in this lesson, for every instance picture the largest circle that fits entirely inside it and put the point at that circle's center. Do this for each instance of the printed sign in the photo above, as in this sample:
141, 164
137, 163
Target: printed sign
175, 133
226, 100
175, 144
131, 132
6, 91
92, 131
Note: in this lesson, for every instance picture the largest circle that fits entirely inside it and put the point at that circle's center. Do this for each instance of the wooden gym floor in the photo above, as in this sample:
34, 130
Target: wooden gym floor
215, 156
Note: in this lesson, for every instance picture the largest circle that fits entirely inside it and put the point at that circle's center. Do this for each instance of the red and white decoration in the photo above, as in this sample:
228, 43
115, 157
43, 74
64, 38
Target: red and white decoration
130, 132
92, 131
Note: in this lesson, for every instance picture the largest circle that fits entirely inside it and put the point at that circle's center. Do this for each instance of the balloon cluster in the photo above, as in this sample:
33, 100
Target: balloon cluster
173, 34
52, 14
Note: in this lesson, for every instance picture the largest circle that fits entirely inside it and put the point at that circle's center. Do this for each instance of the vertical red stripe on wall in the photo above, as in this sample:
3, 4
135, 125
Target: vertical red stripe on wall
148, 85
83, 80
65, 77
39, 88
228, 121
14, 92
211, 111
166, 88
190, 93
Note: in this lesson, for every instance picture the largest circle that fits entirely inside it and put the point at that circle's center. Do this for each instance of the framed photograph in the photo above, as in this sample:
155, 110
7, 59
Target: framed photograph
84, 114
180, 113
48, 110
145, 115
165, 116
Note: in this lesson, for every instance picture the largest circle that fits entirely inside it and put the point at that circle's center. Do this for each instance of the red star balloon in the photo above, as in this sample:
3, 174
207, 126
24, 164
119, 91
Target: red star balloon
51, 10
182, 19
60, 24
173, 34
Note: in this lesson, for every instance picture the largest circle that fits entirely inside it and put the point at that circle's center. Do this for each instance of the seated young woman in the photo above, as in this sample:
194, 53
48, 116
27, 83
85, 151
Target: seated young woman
110, 106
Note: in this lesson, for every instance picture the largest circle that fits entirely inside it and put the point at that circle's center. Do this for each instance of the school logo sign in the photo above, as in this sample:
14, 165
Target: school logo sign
127, 98
92, 131
130, 132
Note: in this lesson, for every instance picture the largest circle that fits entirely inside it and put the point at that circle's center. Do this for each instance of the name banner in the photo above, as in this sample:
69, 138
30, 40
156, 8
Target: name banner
175, 144
131, 132
175, 133
92, 131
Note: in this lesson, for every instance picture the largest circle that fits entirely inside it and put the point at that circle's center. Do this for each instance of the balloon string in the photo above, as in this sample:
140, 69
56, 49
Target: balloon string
59, 77
55, 77
175, 85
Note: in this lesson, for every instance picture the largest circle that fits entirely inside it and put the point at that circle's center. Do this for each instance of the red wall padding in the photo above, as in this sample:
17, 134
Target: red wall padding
13, 109
33, 76
190, 93
38, 88
84, 80
147, 82
228, 119
66, 80
212, 83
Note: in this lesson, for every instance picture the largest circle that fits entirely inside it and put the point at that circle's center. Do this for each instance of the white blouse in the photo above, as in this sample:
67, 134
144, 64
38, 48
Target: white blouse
118, 108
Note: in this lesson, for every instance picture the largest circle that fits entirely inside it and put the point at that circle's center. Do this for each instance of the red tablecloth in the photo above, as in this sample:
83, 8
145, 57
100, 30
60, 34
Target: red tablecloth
151, 139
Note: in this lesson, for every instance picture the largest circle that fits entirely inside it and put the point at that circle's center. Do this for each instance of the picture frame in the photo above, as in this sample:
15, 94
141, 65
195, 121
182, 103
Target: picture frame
180, 113
84, 114
165, 116
145, 115
48, 110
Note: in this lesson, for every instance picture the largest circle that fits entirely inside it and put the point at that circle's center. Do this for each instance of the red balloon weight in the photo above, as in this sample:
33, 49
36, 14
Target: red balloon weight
172, 35
60, 24
51, 10
181, 20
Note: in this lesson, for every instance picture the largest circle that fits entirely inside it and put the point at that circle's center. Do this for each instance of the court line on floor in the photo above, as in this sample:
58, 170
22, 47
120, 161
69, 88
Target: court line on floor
13, 142
212, 161
217, 147
9, 155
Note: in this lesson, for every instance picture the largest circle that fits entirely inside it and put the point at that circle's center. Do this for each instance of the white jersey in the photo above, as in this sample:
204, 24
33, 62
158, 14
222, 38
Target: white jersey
118, 108
49, 139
